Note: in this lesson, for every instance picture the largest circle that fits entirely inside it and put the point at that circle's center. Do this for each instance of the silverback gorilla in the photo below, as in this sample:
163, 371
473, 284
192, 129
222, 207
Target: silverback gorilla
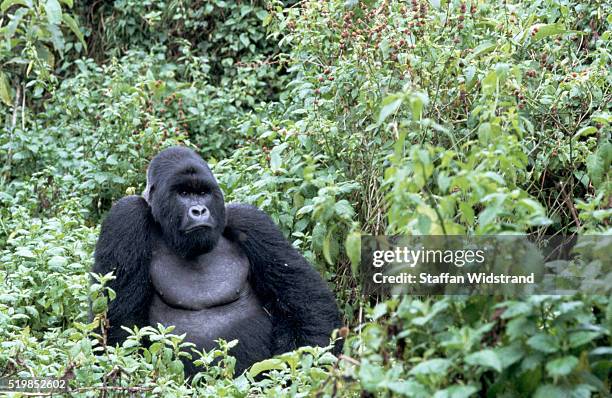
182, 257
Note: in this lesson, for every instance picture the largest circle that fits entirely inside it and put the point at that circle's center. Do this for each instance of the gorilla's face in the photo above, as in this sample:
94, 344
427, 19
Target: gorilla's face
185, 201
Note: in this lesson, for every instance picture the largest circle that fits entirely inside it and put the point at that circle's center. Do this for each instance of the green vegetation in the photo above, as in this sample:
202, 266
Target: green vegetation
337, 118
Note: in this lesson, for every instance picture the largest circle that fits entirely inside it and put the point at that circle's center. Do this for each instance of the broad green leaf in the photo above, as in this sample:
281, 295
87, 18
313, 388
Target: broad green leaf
69, 3
596, 167
25, 252
516, 308
57, 262
389, 106
489, 83
561, 366
408, 388
74, 27
456, 391
57, 37
8, 3
53, 9
486, 358
379, 310
5, 90
418, 101
482, 49
265, 365
545, 30
588, 130
176, 366
9, 30
544, 343
343, 209
99, 305
437, 366
580, 338
353, 250
549, 391
275, 157
470, 77
330, 246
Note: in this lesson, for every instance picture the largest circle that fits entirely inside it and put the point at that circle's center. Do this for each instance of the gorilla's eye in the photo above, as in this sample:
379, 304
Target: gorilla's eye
183, 193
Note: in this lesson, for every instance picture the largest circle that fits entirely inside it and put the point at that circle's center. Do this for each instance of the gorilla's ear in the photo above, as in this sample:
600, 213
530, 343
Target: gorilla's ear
146, 194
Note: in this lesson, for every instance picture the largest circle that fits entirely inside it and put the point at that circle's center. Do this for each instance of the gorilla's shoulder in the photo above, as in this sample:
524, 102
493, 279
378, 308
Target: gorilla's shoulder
238, 214
126, 232
130, 204
248, 222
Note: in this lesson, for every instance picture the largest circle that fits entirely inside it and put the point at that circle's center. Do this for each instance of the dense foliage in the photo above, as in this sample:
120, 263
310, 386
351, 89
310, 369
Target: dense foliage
337, 118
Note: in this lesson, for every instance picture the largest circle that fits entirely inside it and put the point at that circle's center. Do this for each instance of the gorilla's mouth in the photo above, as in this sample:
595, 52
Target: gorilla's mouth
197, 227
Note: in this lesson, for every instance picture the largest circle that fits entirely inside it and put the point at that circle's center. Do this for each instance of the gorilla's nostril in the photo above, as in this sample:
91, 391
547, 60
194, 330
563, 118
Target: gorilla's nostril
198, 211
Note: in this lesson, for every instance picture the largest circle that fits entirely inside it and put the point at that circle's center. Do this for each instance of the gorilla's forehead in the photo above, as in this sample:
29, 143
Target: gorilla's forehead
179, 164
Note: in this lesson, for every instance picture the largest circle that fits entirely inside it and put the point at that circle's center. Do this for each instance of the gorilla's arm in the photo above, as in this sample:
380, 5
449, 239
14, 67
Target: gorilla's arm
124, 247
304, 309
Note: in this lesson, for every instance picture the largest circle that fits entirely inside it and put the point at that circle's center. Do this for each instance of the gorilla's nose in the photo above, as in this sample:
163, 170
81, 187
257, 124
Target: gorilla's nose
198, 213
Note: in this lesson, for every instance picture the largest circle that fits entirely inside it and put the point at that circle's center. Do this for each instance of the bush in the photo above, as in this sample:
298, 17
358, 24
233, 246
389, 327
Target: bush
337, 118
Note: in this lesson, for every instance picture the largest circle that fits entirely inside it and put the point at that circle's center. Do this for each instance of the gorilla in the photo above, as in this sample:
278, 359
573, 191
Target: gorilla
182, 257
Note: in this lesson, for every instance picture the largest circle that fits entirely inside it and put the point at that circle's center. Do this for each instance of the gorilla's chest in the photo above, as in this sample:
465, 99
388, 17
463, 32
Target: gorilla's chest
212, 279
208, 297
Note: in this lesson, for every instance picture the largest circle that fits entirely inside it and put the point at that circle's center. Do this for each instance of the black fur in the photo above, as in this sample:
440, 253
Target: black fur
124, 246
302, 308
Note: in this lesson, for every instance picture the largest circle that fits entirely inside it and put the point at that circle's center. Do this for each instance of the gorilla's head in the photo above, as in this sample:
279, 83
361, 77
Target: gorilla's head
185, 201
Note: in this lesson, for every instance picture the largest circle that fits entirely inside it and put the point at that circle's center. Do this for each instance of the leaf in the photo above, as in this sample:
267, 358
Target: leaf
389, 106
261, 14
99, 305
409, 388
510, 354
580, 338
418, 101
57, 37
57, 262
353, 250
456, 391
11, 27
53, 9
25, 252
343, 209
112, 160
545, 30
598, 163
516, 308
544, 343
330, 246
588, 130
379, 310
549, 390
74, 27
489, 83
481, 49
470, 74
275, 159
8, 3
5, 90
561, 366
433, 366
486, 358
244, 39
265, 365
